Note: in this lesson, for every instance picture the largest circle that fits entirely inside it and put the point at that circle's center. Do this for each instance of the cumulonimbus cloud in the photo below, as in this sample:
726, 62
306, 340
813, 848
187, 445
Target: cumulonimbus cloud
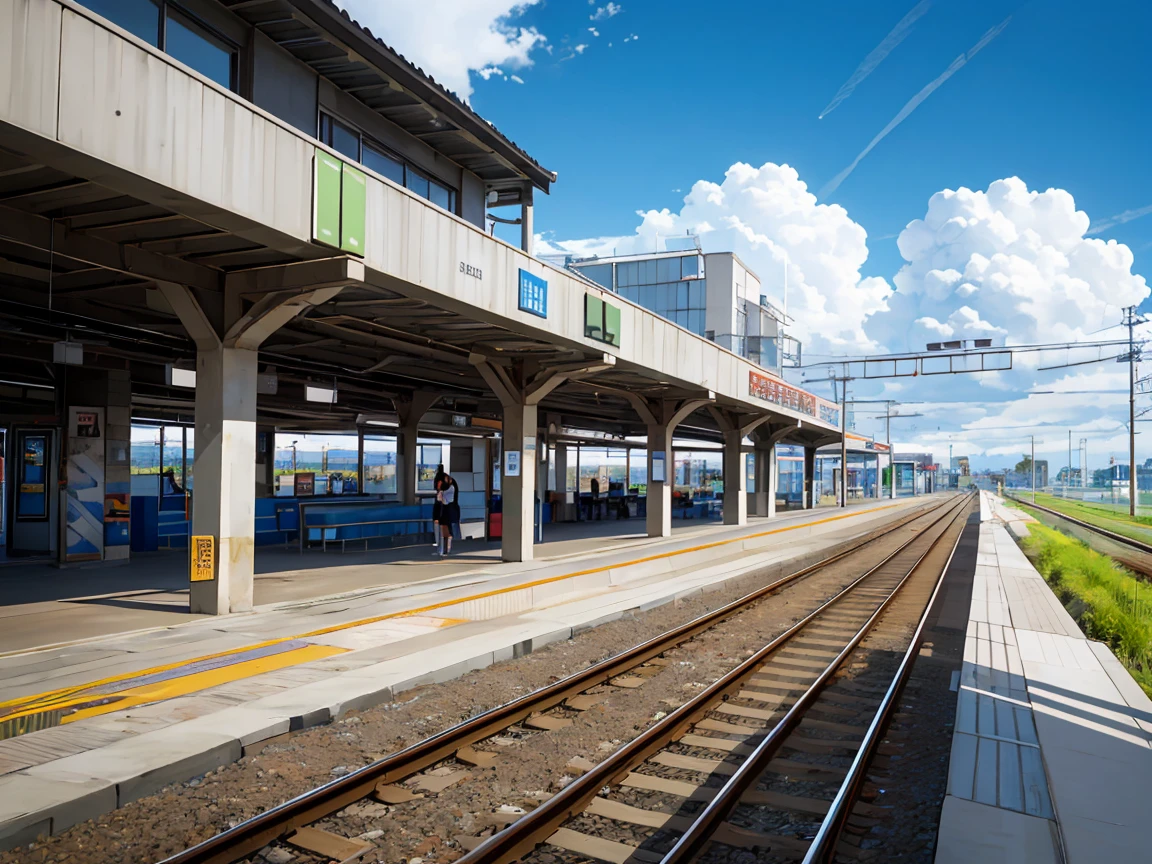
877, 55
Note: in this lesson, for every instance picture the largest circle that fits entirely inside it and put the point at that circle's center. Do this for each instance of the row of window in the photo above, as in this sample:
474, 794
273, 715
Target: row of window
349, 141
629, 274
164, 25
674, 295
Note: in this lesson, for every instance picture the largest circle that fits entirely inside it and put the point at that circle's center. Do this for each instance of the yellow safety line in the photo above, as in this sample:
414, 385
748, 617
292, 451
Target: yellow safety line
182, 685
22, 705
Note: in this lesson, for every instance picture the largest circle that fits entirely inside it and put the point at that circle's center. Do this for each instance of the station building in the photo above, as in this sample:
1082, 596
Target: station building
252, 232
714, 295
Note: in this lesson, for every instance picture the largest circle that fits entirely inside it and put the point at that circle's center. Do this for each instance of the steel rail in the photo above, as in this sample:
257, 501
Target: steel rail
1095, 529
522, 836
699, 834
253, 834
823, 846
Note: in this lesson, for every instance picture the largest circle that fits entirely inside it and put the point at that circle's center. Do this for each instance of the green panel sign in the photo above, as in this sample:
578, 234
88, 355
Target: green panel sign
593, 317
326, 199
353, 204
601, 321
612, 324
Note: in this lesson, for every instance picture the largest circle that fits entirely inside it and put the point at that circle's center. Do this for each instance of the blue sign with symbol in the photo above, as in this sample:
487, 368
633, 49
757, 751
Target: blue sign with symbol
533, 294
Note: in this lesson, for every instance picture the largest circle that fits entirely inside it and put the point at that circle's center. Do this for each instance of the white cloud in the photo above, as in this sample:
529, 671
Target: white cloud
877, 55
448, 39
593, 31
607, 11
488, 71
1007, 262
767, 216
580, 49
631, 38
913, 103
516, 78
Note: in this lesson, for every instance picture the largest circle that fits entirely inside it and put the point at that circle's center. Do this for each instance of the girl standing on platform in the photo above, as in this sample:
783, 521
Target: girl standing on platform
437, 506
449, 513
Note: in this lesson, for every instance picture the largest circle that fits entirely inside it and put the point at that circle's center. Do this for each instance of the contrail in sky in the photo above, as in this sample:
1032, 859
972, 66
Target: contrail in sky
877, 55
1118, 219
913, 103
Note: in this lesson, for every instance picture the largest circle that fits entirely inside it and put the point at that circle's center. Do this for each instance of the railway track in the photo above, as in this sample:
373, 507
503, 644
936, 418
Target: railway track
1138, 561
824, 629
782, 741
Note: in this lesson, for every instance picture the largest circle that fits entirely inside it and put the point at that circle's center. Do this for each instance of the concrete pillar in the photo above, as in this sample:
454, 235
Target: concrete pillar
409, 411
763, 501
526, 228
518, 489
225, 471
659, 497
561, 468
809, 478
735, 479
228, 337
520, 386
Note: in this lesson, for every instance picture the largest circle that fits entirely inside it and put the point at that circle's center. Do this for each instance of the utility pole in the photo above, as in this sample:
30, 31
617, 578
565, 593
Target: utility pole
1130, 320
844, 447
1068, 473
1033, 437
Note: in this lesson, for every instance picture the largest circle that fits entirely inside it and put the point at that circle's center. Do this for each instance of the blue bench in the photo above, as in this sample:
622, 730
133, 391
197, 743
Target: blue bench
329, 522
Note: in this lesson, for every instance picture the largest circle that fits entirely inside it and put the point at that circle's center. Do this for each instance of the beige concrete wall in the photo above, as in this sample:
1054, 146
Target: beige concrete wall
211, 155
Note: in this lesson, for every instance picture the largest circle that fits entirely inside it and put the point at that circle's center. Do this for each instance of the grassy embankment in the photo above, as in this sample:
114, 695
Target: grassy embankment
1098, 513
1109, 603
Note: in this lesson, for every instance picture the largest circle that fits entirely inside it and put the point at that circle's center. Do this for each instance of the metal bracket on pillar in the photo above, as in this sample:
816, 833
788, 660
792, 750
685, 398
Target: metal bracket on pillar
735, 421
414, 407
532, 391
666, 412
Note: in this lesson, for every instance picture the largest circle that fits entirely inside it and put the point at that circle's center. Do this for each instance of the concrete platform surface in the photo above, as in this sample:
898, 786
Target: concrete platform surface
145, 709
1053, 737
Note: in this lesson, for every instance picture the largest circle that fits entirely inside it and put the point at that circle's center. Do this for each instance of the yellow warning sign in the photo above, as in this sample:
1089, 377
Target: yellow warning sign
203, 559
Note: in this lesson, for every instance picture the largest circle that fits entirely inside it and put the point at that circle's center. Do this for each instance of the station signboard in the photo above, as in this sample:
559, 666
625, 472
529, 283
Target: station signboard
533, 296
774, 390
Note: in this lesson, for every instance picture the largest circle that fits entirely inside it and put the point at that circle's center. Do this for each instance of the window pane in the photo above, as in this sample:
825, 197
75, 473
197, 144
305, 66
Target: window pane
379, 465
431, 456
696, 321
439, 195
682, 296
193, 45
648, 273
343, 139
383, 164
417, 184
664, 269
626, 274
599, 273
690, 266
696, 295
139, 17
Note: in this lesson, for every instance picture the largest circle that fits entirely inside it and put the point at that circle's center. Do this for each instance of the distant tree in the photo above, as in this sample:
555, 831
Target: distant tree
1024, 466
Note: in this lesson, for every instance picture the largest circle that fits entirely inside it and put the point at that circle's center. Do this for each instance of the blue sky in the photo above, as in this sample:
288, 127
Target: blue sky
1060, 99
665, 95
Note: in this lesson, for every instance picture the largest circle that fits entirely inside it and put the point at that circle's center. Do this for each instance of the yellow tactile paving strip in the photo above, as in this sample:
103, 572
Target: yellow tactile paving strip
169, 686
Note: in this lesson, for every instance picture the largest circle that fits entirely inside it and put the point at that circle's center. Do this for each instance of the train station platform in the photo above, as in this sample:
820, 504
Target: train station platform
1052, 748
127, 713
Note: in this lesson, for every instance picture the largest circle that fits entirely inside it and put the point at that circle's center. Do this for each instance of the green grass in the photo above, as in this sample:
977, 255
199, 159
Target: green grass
1099, 514
1109, 603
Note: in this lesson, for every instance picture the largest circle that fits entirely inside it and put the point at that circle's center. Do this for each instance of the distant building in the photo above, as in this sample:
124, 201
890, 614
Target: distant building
924, 461
960, 466
714, 295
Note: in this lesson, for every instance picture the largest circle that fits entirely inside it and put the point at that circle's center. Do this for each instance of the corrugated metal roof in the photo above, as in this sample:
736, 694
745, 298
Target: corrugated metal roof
325, 37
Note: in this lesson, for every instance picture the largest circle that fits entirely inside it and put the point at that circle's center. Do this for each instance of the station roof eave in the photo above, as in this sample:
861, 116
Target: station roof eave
323, 36
94, 219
